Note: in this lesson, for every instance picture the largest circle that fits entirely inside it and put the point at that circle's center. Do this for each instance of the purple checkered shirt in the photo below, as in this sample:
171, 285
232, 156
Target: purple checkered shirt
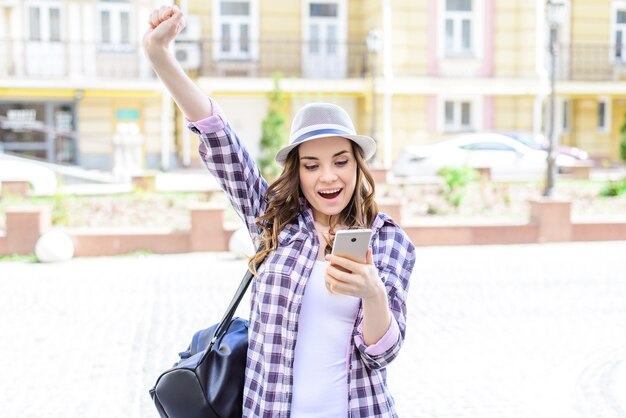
278, 288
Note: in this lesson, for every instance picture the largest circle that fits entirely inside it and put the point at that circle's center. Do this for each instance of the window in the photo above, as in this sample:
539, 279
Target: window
44, 23
115, 27
45, 130
458, 28
457, 115
44, 52
236, 22
105, 26
488, 146
55, 25
235, 8
244, 39
331, 40
323, 9
604, 115
124, 27
34, 23
226, 38
566, 116
620, 35
324, 38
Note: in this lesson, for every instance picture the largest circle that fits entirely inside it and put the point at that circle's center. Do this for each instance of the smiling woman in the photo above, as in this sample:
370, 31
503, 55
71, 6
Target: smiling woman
328, 174
325, 185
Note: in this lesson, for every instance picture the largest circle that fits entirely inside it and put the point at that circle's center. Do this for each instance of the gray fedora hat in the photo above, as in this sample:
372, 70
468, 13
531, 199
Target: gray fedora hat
322, 120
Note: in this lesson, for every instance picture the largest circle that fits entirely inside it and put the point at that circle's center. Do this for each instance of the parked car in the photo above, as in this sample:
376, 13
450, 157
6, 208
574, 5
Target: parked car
540, 142
42, 180
506, 157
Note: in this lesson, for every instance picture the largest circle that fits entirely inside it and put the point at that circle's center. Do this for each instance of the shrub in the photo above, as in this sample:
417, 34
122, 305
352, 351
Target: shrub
457, 179
614, 188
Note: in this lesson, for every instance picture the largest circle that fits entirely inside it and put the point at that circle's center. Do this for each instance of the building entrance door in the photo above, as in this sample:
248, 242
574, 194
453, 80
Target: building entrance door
45, 53
324, 43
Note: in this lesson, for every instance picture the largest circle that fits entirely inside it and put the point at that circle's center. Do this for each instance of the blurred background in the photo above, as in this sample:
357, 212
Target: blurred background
77, 89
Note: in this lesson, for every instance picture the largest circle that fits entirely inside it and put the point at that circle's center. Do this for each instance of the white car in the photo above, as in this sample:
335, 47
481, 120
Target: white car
507, 158
42, 180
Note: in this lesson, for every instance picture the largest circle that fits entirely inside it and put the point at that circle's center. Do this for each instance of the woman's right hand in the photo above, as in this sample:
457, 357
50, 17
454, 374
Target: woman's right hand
165, 23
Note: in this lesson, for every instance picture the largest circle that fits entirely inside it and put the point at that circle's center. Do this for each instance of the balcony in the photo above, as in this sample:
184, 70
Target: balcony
95, 61
37, 60
591, 62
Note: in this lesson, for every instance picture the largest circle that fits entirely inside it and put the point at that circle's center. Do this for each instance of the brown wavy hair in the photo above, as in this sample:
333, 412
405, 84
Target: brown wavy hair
284, 198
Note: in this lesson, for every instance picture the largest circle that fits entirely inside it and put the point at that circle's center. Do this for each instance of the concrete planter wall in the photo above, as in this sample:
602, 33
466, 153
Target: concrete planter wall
549, 221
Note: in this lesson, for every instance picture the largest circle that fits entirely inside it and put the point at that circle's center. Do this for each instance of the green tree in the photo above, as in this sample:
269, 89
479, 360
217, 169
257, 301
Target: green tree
622, 150
273, 136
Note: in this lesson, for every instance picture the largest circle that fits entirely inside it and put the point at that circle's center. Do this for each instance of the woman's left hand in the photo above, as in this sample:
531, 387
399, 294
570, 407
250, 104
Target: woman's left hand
360, 279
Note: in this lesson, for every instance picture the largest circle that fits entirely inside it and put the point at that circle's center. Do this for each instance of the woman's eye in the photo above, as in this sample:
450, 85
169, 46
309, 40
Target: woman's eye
342, 163
310, 167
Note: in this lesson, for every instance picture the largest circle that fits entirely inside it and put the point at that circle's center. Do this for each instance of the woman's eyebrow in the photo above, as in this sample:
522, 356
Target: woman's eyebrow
315, 158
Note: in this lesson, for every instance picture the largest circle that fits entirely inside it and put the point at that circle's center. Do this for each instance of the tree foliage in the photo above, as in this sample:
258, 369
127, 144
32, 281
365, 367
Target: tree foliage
273, 136
456, 180
622, 145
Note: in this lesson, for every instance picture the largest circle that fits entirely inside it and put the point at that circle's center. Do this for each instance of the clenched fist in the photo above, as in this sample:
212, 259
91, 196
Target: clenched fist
165, 23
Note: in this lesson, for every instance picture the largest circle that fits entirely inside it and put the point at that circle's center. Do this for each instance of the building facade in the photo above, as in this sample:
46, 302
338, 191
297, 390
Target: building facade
75, 87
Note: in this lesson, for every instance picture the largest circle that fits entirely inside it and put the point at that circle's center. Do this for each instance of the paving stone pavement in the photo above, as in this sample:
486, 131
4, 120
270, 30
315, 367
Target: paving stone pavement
493, 331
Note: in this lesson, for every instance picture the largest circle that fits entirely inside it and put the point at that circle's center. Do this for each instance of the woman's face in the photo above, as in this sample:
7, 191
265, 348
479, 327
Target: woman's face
327, 170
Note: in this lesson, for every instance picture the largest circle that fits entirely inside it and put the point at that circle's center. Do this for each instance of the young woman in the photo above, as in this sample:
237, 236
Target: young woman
322, 327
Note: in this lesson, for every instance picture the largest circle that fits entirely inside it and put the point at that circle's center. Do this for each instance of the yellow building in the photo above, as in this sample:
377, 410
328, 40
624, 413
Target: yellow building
442, 67
425, 69
75, 88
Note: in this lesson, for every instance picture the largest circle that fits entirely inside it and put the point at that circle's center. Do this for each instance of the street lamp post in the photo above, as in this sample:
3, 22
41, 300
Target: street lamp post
374, 45
554, 12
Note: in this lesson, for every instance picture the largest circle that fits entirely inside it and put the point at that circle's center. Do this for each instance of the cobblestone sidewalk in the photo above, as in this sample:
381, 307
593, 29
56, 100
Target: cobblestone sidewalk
494, 331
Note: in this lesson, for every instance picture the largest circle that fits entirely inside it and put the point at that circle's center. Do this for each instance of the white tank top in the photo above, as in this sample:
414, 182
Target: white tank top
320, 370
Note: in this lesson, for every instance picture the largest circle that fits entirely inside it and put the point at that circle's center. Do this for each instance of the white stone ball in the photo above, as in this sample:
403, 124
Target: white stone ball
241, 244
54, 246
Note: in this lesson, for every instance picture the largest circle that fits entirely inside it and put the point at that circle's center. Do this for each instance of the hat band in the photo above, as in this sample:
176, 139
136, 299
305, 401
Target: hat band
307, 135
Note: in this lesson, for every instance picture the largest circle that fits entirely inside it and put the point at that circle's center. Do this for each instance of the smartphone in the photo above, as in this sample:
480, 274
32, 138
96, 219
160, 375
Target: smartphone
352, 244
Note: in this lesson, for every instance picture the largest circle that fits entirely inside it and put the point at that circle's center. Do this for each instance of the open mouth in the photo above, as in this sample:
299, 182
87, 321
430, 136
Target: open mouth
329, 194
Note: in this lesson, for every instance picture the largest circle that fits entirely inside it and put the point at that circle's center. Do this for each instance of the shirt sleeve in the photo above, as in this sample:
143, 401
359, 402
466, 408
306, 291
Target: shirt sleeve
385, 343
395, 258
230, 163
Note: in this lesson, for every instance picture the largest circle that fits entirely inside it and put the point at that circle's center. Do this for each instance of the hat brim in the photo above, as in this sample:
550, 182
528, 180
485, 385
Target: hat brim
367, 144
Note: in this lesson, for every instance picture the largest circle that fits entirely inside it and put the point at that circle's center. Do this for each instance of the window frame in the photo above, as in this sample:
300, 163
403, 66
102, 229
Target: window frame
477, 23
475, 114
235, 22
45, 27
604, 126
46, 125
327, 59
564, 116
616, 7
115, 42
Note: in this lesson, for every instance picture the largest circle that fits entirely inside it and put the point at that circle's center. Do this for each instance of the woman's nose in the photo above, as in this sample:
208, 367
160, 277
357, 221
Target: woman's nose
328, 175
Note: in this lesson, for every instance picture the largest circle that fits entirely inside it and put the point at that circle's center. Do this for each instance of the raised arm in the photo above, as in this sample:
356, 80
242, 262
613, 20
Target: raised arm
165, 23
220, 148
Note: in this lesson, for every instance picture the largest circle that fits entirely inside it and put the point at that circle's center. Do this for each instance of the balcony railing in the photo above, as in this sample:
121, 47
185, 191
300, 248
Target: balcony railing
62, 60
292, 58
591, 62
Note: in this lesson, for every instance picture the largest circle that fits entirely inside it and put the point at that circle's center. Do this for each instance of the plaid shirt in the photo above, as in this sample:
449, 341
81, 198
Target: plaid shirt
278, 288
